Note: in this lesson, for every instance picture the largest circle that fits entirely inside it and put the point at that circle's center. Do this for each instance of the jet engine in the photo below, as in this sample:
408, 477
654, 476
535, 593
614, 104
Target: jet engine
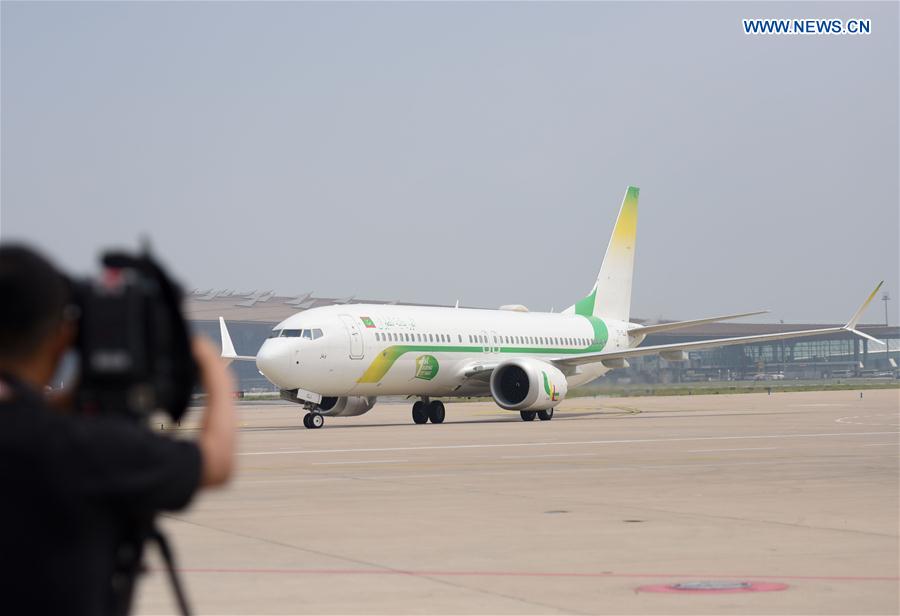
346, 406
525, 384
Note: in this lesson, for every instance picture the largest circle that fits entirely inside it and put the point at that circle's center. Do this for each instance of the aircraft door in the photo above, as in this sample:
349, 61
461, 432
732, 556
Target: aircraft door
495, 339
357, 350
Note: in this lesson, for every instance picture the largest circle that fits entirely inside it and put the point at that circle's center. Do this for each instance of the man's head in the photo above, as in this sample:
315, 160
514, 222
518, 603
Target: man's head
34, 332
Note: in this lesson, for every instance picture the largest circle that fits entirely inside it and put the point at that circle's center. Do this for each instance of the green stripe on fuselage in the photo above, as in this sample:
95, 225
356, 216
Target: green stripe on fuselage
386, 358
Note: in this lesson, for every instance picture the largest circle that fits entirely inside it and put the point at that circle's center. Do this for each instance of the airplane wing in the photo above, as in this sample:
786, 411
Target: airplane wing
680, 348
228, 347
643, 330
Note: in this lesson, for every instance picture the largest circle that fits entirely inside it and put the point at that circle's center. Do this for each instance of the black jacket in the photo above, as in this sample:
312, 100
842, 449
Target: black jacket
76, 494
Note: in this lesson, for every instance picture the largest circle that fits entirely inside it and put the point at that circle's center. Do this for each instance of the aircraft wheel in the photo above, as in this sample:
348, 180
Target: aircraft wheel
436, 411
527, 415
419, 412
545, 415
306, 420
316, 421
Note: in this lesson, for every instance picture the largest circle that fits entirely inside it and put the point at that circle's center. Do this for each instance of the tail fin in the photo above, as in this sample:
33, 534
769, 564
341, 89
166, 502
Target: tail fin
611, 295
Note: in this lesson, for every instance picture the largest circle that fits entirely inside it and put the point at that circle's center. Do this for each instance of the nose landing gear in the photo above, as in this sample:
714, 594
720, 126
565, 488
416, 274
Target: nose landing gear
313, 421
423, 411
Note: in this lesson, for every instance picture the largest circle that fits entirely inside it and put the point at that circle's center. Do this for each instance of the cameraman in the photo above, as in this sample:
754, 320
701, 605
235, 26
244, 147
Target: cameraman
73, 485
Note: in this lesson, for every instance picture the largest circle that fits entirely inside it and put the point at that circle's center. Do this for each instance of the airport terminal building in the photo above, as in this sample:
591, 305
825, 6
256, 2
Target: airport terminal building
251, 317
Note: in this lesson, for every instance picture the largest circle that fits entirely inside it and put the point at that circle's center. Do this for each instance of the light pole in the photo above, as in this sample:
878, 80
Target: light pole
887, 344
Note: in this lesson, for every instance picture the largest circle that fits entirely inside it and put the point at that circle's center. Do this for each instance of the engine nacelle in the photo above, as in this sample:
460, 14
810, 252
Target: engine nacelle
346, 406
525, 384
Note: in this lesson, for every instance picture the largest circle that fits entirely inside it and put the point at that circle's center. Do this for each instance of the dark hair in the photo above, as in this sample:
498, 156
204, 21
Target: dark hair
33, 299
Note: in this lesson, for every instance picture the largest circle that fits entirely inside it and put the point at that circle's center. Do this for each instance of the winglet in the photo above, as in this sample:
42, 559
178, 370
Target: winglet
851, 324
867, 336
227, 345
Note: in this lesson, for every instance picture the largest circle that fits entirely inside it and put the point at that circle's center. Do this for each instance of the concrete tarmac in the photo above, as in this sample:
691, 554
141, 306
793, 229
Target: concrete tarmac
487, 514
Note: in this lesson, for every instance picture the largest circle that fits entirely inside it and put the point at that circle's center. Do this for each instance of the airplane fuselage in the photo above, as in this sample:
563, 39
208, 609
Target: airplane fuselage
377, 350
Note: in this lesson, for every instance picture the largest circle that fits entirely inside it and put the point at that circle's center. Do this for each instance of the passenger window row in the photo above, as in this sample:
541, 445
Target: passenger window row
404, 337
484, 339
532, 340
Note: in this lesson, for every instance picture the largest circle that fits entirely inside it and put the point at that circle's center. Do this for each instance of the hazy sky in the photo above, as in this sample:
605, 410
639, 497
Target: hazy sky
434, 151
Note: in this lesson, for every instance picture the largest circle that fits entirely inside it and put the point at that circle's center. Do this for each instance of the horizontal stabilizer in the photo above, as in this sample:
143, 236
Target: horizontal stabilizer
643, 330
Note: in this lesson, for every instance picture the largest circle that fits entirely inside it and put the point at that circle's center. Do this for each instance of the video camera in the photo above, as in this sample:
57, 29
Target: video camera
133, 342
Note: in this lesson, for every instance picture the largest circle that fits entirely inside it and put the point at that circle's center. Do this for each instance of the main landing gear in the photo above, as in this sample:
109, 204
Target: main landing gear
423, 411
313, 421
542, 415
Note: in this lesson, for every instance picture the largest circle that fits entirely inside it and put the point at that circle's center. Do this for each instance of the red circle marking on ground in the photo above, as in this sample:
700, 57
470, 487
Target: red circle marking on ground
748, 587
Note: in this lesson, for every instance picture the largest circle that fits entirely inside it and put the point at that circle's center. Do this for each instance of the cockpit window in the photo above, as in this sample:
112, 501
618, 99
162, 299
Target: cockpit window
306, 334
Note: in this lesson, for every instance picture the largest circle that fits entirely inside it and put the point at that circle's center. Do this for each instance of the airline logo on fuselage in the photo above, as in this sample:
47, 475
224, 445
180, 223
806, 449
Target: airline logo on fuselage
426, 367
367, 322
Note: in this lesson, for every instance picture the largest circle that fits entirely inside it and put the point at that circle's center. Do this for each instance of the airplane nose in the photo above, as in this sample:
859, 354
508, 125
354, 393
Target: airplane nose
274, 362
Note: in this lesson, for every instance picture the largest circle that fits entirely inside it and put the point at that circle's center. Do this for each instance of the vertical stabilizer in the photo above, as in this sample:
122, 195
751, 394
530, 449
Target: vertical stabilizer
610, 298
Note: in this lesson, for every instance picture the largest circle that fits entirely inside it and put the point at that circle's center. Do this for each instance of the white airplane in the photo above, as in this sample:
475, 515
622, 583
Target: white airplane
336, 360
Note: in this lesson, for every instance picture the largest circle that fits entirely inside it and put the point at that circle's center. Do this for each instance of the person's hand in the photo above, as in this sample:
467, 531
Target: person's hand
217, 432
